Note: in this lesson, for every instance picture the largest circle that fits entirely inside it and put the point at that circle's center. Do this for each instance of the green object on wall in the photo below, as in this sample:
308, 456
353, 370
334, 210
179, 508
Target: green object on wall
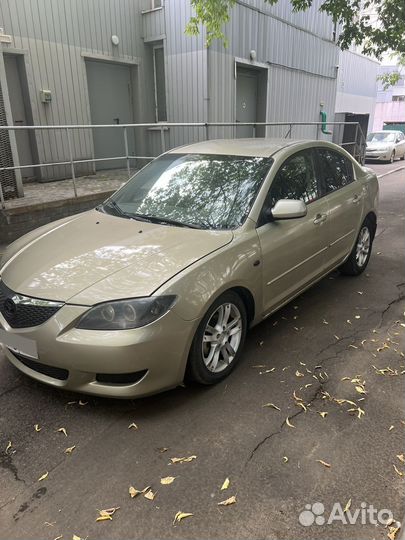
323, 128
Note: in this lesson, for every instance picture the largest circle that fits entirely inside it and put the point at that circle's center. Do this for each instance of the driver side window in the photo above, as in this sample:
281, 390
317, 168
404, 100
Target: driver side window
295, 179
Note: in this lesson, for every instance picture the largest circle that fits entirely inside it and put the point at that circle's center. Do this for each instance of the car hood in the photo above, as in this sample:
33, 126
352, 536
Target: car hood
375, 145
97, 257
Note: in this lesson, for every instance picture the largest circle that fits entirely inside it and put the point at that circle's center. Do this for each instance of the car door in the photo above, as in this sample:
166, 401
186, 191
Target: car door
344, 196
400, 145
293, 250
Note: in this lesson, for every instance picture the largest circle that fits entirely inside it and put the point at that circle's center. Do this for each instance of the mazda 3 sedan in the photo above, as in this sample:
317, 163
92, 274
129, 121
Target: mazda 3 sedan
160, 283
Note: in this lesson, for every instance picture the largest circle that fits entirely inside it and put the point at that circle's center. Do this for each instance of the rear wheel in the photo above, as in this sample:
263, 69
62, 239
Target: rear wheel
218, 341
360, 255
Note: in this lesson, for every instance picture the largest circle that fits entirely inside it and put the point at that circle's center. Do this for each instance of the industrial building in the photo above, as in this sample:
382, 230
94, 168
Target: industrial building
69, 62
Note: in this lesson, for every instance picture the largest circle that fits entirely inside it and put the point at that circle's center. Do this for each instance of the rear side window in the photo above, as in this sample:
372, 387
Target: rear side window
295, 179
336, 171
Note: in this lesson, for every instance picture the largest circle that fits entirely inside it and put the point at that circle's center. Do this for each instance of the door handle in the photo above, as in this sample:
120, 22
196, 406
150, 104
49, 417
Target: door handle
356, 199
319, 218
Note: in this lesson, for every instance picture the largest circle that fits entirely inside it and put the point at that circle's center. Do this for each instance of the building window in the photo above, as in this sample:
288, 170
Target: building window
160, 84
398, 98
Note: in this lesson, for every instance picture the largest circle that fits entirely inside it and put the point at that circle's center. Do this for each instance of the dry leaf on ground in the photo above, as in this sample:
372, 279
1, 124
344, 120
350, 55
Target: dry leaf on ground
227, 502
324, 463
181, 515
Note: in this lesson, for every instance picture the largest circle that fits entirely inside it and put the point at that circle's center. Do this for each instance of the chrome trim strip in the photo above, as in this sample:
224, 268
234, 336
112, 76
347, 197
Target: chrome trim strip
29, 301
341, 238
298, 265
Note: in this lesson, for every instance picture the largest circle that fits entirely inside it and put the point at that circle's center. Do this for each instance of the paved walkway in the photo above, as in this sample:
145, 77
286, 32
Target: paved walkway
41, 192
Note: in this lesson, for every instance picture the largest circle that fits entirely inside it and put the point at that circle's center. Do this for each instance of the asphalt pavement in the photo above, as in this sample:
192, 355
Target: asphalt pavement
330, 368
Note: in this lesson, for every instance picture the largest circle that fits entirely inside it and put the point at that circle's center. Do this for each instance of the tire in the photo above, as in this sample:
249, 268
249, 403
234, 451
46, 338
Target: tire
229, 306
403, 157
358, 258
392, 157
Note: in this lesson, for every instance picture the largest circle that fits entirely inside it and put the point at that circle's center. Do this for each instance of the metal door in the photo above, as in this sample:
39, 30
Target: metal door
246, 101
19, 110
110, 96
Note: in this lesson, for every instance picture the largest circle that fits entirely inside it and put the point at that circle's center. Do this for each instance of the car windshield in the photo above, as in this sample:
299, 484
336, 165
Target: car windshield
380, 136
192, 190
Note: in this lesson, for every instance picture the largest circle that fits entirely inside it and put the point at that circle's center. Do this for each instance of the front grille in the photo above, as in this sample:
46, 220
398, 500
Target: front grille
51, 371
24, 312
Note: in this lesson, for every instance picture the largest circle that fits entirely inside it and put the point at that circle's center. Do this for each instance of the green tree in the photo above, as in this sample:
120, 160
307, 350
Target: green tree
376, 37
391, 79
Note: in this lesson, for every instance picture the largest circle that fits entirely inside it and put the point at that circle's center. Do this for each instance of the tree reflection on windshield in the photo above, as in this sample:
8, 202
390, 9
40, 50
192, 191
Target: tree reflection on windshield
211, 191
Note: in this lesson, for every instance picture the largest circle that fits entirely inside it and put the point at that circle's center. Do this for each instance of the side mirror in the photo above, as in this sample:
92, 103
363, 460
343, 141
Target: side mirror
397, 140
289, 209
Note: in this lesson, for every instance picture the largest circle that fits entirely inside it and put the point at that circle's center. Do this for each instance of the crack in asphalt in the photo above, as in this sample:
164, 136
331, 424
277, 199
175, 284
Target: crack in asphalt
317, 393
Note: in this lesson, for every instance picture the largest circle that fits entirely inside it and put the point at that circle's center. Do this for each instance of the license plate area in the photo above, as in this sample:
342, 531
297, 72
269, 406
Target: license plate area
19, 344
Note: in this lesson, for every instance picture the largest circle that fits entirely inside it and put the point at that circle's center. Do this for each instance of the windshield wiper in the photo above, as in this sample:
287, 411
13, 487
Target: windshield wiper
156, 219
117, 208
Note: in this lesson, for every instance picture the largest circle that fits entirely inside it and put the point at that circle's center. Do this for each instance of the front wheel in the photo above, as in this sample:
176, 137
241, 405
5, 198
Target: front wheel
218, 341
360, 255
392, 157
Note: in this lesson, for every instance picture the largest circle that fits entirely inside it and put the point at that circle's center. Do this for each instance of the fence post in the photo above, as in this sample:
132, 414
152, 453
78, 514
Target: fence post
3, 204
72, 165
254, 130
206, 132
127, 151
290, 130
356, 145
162, 140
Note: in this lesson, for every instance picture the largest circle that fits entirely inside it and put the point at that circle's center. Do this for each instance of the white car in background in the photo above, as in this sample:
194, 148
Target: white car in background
385, 145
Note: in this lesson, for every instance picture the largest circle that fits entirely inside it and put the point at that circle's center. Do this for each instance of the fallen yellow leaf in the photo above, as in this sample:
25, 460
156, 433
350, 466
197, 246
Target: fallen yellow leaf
401, 457
285, 459
323, 414
43, 477
393, 531
390, 428
70, 449
37, 428
323, 463
167, 480
181, 515
360, 390
289, 424
399, 473
225, 485
107, 514
62, 430
134, 492
227, 502
150, 495
272, 406
10, 444
348, 505
299, 374
182, 459
132, 426
82, 403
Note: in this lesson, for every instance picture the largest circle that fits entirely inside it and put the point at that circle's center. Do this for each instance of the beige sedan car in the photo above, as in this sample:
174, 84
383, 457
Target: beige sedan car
161, 282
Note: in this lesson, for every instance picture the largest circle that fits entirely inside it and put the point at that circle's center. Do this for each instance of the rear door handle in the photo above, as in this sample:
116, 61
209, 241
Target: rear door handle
319, 218
356, 199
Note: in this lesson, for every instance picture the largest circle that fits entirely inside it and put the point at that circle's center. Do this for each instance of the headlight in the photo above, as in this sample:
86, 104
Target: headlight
126, 314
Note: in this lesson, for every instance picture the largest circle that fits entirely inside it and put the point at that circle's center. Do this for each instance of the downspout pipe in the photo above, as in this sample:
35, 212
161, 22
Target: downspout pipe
323, 120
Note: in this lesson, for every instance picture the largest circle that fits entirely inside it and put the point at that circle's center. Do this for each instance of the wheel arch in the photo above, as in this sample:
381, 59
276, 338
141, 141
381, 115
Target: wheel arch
248, 300
372, 217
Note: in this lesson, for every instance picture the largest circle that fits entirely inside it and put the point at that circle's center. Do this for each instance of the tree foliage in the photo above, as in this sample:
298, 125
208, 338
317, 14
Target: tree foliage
377, 34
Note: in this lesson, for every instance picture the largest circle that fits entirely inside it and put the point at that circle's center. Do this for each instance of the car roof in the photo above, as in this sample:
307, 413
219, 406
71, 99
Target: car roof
254, 147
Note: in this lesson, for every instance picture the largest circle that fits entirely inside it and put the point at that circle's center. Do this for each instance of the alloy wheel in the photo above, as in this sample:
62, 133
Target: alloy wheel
363, 247
222, 337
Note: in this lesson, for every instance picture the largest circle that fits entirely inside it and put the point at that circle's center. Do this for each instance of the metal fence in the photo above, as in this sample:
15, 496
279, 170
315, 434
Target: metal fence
356, 147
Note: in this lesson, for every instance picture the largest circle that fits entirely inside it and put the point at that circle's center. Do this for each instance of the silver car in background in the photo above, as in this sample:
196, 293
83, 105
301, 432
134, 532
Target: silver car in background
385, 145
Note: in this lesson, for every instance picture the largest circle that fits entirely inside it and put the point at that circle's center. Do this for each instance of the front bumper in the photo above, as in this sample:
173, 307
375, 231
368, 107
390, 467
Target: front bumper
144, 360
383, 155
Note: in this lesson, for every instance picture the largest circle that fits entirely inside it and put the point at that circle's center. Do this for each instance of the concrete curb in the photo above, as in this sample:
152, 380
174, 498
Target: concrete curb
390, 172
